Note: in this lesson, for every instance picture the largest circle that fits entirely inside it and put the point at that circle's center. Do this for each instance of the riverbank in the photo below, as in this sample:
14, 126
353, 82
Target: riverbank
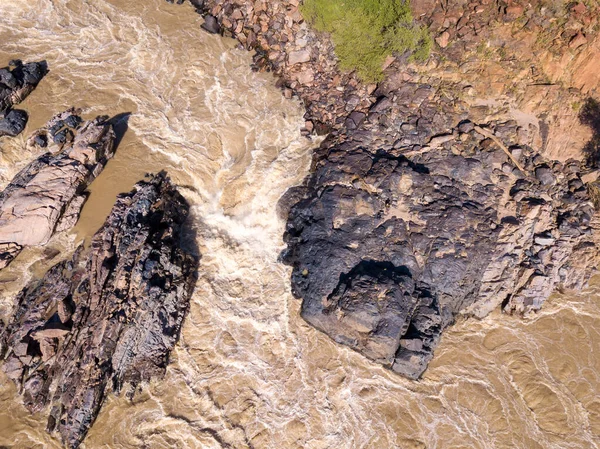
505, 62
470, 134
304, 62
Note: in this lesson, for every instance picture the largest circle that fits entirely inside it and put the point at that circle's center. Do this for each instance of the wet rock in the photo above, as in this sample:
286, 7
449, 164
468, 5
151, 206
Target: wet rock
107, 318
211, 24
41, 141
48, 194
18, 80
389, 243
13, 123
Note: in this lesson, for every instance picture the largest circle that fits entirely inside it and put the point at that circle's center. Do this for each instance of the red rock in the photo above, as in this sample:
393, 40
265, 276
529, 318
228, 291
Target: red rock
226, 22
514, 12
437, 20
443, 39
577, 41
579, 9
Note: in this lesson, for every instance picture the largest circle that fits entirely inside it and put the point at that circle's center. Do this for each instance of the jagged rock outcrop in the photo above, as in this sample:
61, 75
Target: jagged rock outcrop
106, 318
420, 215
47, 195
17, 81
380, 269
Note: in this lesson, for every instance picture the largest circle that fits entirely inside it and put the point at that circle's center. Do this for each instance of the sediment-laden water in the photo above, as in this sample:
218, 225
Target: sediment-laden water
248, 372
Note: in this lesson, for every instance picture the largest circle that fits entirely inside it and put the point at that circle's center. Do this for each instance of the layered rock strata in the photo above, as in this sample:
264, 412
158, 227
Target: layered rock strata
17, 81
420, 215
48, 194
108, 317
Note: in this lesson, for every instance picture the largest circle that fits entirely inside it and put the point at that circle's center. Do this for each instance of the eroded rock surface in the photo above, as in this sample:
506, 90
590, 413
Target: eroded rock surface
48, 194
106, 318
17, 81
419, 215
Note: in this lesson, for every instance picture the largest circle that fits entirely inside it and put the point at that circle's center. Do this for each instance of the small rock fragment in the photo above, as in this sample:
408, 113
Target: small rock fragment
298, 57
211, 24
443, 39
13, 123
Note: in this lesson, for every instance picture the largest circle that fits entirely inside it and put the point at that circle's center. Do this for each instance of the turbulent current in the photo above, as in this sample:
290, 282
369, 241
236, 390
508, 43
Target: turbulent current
248, 372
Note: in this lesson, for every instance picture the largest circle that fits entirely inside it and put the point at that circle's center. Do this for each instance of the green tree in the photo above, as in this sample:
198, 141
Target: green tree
365, 32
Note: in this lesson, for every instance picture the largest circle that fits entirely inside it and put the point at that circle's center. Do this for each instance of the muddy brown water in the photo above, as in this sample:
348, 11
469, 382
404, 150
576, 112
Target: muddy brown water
248, 372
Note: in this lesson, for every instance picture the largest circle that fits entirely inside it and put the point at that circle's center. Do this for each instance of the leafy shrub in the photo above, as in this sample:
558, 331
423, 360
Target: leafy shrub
364, 32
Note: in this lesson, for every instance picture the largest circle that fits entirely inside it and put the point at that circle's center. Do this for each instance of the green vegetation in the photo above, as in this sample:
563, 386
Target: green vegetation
365, 32
484, 50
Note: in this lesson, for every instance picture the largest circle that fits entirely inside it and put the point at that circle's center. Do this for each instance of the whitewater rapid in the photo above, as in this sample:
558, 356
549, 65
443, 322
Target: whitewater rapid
248, 372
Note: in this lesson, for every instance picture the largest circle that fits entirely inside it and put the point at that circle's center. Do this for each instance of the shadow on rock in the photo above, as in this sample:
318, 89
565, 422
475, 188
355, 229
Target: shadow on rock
589, 115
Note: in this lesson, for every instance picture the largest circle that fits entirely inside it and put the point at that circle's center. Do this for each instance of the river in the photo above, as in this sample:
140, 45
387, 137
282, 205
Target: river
248, 372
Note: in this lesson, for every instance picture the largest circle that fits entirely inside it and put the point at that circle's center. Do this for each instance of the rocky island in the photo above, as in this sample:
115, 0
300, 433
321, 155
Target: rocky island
390, 243
107, 318
48, 194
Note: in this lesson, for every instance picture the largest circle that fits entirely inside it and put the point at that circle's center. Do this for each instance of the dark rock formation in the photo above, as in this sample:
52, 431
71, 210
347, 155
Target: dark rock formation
13, 123
106, 318
408, 222
17, 81
48, 194
211, 24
